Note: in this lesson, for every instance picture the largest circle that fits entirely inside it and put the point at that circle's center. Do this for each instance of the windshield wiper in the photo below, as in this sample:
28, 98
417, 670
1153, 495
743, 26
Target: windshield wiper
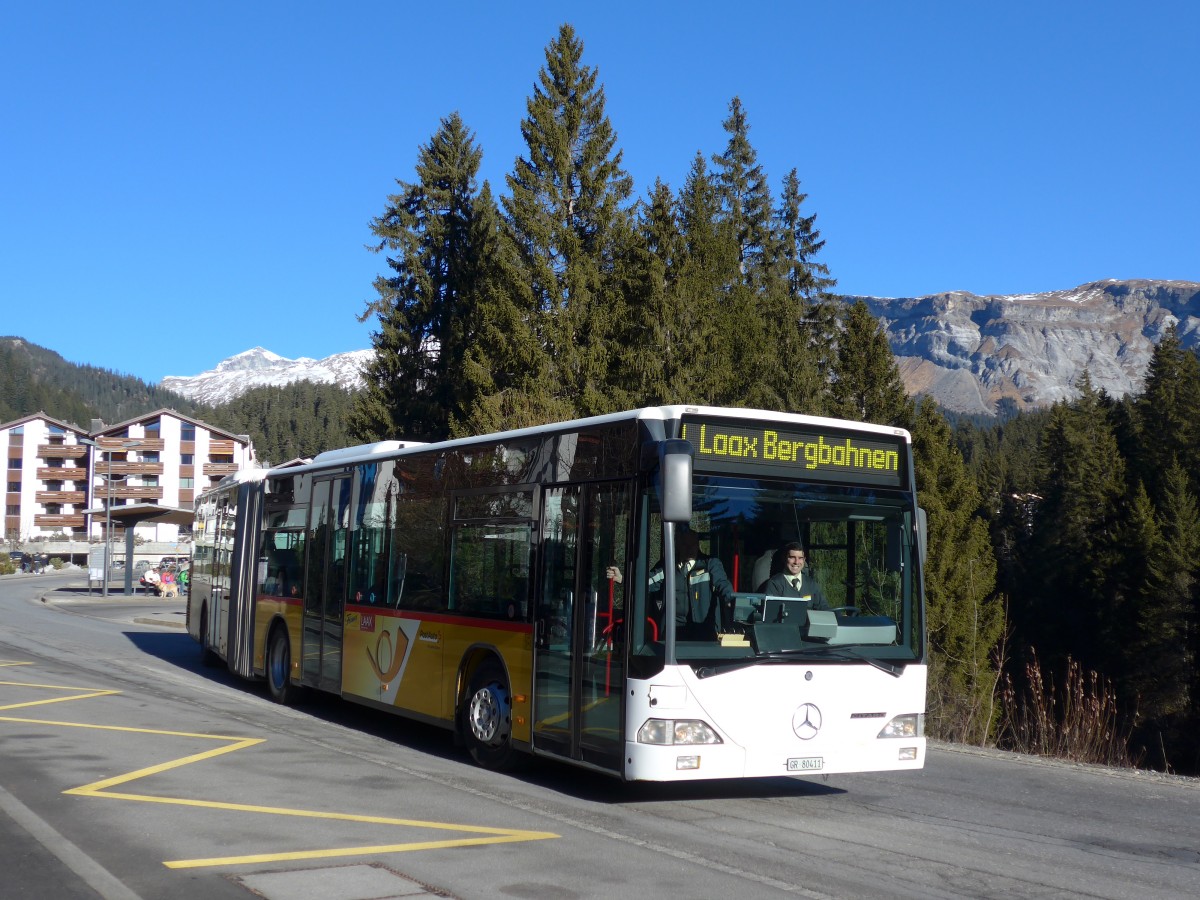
844, 652
799, 654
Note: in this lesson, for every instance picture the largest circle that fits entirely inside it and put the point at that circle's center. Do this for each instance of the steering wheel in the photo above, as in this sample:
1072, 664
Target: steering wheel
849, 610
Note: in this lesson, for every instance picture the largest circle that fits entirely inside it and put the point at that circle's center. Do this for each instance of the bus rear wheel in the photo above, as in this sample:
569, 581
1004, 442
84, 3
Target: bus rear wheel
487, 719
279, 667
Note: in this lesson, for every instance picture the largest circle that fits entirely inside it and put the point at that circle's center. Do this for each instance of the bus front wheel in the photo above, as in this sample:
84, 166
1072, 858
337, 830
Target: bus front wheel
279, 667
487, 718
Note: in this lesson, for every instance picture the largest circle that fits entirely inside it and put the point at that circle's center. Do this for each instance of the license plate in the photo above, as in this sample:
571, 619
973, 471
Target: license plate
805, 763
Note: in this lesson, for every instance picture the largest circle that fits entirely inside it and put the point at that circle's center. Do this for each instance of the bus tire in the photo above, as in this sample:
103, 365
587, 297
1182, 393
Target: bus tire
487, 718
279, 667
208, 656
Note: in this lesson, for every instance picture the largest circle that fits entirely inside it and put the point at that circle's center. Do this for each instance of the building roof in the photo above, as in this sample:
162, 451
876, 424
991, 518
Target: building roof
42, 416
108, 429
145, 514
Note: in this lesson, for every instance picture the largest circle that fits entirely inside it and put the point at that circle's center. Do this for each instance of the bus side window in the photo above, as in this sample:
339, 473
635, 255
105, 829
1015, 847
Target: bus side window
417, 542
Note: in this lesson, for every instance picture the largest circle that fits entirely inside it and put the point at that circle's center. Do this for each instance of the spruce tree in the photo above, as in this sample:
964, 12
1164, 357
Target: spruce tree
1169, 413
657, 342
797, 244
1163, 649
506, 367
796, 305
866, 384
1135, 581
427, 228
748, 322
569, 223
745, 198
965, 616
708, 270
1077, 523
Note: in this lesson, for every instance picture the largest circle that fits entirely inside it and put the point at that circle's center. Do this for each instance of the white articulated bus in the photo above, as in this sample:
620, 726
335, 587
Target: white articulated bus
593, 591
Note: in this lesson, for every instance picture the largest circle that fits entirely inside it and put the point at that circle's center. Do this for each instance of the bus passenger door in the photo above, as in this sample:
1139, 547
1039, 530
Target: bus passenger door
221, 585
579, 666
325, 584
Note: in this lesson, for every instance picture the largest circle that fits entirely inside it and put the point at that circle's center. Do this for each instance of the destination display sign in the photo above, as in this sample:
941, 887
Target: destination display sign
777, 450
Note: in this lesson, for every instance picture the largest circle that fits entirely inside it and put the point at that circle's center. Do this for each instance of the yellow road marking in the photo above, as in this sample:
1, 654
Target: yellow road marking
87, 694
509, 838
102, 789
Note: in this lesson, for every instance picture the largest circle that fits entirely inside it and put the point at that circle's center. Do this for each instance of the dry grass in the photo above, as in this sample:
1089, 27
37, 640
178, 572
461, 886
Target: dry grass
1077, 719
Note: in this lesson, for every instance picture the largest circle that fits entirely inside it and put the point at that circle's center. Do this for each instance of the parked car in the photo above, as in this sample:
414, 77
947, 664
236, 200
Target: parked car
176, 561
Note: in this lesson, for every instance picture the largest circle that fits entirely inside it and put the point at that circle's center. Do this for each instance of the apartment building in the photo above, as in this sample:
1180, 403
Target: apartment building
47, 473
60, 476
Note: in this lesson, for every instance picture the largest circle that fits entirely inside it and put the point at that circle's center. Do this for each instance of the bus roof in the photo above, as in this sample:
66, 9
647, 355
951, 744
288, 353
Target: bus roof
367, 452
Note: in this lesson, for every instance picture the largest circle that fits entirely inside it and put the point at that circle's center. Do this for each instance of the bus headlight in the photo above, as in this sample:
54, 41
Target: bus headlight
906, 726
677, 731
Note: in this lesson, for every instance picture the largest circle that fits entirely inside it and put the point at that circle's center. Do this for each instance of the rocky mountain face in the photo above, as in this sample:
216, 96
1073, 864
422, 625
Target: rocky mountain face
968, 352
260, 367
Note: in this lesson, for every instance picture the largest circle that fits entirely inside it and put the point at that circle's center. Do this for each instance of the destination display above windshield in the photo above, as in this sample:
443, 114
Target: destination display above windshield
786, 451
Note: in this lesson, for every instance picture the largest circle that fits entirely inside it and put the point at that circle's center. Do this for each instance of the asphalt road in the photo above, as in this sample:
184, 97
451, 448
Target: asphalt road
128, 770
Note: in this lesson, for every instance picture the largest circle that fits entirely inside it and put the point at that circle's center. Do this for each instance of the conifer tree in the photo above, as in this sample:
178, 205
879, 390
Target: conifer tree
749, 324
797, 306
708, 269
1169, 412
567, 216
1134, 582
866, 385
1077, 523
797, 244
745, 198
965, 616
422, 306
659, 342
506, 366
1162, 650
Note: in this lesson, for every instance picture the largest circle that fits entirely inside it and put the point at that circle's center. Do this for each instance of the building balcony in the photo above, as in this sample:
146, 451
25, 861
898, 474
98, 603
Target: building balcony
62, 451
65, 520
220, 468
121, 467
128, 445
216, 448
131, 492
61, 473
60, 496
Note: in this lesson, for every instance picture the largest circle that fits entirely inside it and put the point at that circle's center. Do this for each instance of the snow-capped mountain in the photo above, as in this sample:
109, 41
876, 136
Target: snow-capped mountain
968, 352
260, 367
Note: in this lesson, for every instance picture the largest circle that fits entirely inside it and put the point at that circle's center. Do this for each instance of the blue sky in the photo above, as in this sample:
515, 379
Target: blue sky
185, 181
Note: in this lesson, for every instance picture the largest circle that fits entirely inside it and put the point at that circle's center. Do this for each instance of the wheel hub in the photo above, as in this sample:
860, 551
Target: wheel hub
489, 715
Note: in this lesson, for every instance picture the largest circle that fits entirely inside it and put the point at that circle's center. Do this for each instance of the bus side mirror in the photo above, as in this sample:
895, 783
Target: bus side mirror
922, 533
675, 467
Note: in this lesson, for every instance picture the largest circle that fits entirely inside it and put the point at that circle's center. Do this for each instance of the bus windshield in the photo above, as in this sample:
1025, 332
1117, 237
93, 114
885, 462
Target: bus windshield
768, 571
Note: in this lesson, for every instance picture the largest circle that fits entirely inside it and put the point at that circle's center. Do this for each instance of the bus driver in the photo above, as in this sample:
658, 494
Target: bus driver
792, 582
703, 594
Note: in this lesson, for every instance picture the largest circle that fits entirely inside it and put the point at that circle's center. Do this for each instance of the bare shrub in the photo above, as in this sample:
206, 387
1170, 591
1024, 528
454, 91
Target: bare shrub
1077, 720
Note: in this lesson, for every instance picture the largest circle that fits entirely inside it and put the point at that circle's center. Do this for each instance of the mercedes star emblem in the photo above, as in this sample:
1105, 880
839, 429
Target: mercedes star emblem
807, 721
